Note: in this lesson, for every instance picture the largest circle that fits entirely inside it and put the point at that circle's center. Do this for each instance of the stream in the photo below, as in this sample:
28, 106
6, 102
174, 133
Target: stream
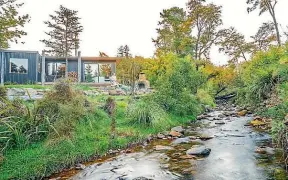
220, 146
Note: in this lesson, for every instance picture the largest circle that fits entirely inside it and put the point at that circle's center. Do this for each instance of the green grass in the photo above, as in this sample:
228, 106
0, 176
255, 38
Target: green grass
39, 86
90, 138
84, 87
33, 86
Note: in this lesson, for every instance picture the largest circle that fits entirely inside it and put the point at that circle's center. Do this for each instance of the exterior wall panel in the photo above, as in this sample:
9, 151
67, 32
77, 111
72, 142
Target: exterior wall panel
30, 77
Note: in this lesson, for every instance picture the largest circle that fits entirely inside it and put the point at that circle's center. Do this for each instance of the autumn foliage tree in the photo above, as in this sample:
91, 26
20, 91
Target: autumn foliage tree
205, 21
174, 32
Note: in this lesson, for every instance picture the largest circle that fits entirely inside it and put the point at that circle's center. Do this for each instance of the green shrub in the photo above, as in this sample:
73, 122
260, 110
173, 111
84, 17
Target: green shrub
177, 87
63, 106
205, 98
145, 113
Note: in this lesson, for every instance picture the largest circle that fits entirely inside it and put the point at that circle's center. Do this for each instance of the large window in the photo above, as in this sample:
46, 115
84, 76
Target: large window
19, 66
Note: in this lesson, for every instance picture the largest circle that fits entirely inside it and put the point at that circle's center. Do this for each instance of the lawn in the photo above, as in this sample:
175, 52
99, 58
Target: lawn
39, 86
91, 137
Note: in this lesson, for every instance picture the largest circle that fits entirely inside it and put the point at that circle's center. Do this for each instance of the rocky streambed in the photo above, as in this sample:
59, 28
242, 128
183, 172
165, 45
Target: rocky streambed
219, 146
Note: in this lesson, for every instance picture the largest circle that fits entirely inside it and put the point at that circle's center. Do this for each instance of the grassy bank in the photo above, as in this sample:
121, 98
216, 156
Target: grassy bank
91, 137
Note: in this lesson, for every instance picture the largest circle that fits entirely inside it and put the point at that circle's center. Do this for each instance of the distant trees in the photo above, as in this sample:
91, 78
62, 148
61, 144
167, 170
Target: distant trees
233, 44
205, 21
11, 22
196, 31
193, 32
264, 37
124, 51
88, 73
174, 33
65, 29
264, 6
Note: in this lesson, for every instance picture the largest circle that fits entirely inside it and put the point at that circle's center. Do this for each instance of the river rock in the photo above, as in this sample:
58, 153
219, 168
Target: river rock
178, 129
160, 136
221, 116
162, 148
175, 134
181, 141
192, 137
199, 150
187, 156
80, 166
205, 137
202, 116
220, 122
142, 178
265, 150
243, 113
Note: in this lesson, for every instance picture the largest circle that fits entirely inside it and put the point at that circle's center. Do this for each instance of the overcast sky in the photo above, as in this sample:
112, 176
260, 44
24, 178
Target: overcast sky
111, 23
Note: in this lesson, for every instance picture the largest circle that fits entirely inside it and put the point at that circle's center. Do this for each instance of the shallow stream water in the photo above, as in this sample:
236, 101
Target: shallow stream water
232, 155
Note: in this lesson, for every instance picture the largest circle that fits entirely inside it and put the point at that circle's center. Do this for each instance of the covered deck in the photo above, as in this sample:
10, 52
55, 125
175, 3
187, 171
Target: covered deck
86, 70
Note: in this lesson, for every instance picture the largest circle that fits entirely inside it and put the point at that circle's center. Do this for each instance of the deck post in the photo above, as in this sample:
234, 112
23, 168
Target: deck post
2, 68
43, 69
79, 67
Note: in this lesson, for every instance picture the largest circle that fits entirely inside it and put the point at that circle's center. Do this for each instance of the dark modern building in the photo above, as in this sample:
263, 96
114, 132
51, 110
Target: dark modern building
23, 67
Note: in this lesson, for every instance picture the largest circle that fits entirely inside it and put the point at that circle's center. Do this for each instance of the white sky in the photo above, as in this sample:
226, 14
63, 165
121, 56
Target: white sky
111, 23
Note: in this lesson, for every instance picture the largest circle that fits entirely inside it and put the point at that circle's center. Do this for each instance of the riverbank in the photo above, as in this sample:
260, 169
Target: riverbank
220, 145
90, 140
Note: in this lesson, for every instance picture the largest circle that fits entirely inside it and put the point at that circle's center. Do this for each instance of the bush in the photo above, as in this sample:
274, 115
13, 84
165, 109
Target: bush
177, 87
144, 113
205, 98
63, 106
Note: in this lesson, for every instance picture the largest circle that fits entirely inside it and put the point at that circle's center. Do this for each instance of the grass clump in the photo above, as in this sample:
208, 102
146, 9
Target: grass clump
144, 113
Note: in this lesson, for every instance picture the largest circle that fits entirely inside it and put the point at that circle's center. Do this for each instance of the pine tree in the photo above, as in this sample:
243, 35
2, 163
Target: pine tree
11, 22
126, 51
120, 51
64, 34
88, 75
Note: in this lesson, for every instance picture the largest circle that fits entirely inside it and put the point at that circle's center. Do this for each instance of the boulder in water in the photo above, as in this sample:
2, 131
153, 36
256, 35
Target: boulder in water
199, 150
185, 140
242, 113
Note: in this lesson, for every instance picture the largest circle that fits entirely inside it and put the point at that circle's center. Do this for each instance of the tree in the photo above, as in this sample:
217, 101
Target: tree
64, 34
88, 73
264, 6
233, 44
14, 68
126, 51
174, 33
120, 51
22, 69
11, 22
264, 37
205, 18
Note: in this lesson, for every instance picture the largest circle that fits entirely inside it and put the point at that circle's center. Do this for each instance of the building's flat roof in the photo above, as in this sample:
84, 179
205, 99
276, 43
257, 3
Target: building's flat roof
15, 51
84, 58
